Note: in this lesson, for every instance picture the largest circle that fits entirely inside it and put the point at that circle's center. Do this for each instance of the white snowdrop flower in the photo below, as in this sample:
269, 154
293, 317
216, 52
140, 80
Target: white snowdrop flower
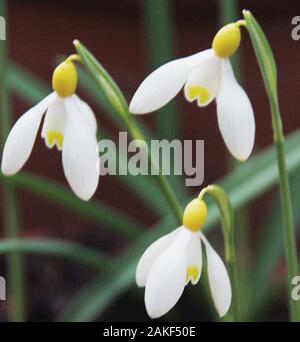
174, 260
69, 124
205, 76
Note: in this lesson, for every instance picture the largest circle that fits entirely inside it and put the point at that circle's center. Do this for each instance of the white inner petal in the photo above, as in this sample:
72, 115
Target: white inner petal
203, 83
54, 124
194, 259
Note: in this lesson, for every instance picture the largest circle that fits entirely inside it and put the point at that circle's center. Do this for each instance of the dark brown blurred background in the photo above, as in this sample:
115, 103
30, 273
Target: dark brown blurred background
113, 30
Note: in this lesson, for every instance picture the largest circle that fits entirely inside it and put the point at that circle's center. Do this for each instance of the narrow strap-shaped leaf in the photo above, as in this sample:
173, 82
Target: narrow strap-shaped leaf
97, 211
54, 248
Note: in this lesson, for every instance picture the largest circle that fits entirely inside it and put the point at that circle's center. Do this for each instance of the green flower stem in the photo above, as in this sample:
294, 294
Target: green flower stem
161, 180
287, 210
226, 213
232, 270
268, 71
116, 99
11, 222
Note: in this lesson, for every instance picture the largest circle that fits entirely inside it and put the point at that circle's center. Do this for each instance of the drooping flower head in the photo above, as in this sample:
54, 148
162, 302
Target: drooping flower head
175, 259
69, 124
205, 76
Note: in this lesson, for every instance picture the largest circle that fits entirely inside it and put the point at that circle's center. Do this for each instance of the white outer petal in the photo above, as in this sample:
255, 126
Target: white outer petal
235, 114
194, 255
80, 153
150, 255
207, 75
218, 278
164, 83
21, 138
87, 113
166, 279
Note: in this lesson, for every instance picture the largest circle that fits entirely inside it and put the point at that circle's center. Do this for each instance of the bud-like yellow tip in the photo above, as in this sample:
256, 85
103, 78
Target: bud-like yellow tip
194, 215
227, 40
64, 79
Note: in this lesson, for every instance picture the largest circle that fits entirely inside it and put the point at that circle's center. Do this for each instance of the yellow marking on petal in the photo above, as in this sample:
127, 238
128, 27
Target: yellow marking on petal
55, 138
194, 215
192, 273
198, 92
64, 79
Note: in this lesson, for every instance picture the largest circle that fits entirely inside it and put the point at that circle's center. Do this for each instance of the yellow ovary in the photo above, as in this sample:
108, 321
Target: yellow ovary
64, 79
200, 93
194, 215
55, 138
227, 40
192, 273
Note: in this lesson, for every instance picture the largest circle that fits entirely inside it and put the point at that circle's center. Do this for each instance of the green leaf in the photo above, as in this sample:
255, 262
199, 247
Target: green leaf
270, 244
242, 186
159, 35
159, 31
11, 226
99, 212
28, 87
117, 277
54, 247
